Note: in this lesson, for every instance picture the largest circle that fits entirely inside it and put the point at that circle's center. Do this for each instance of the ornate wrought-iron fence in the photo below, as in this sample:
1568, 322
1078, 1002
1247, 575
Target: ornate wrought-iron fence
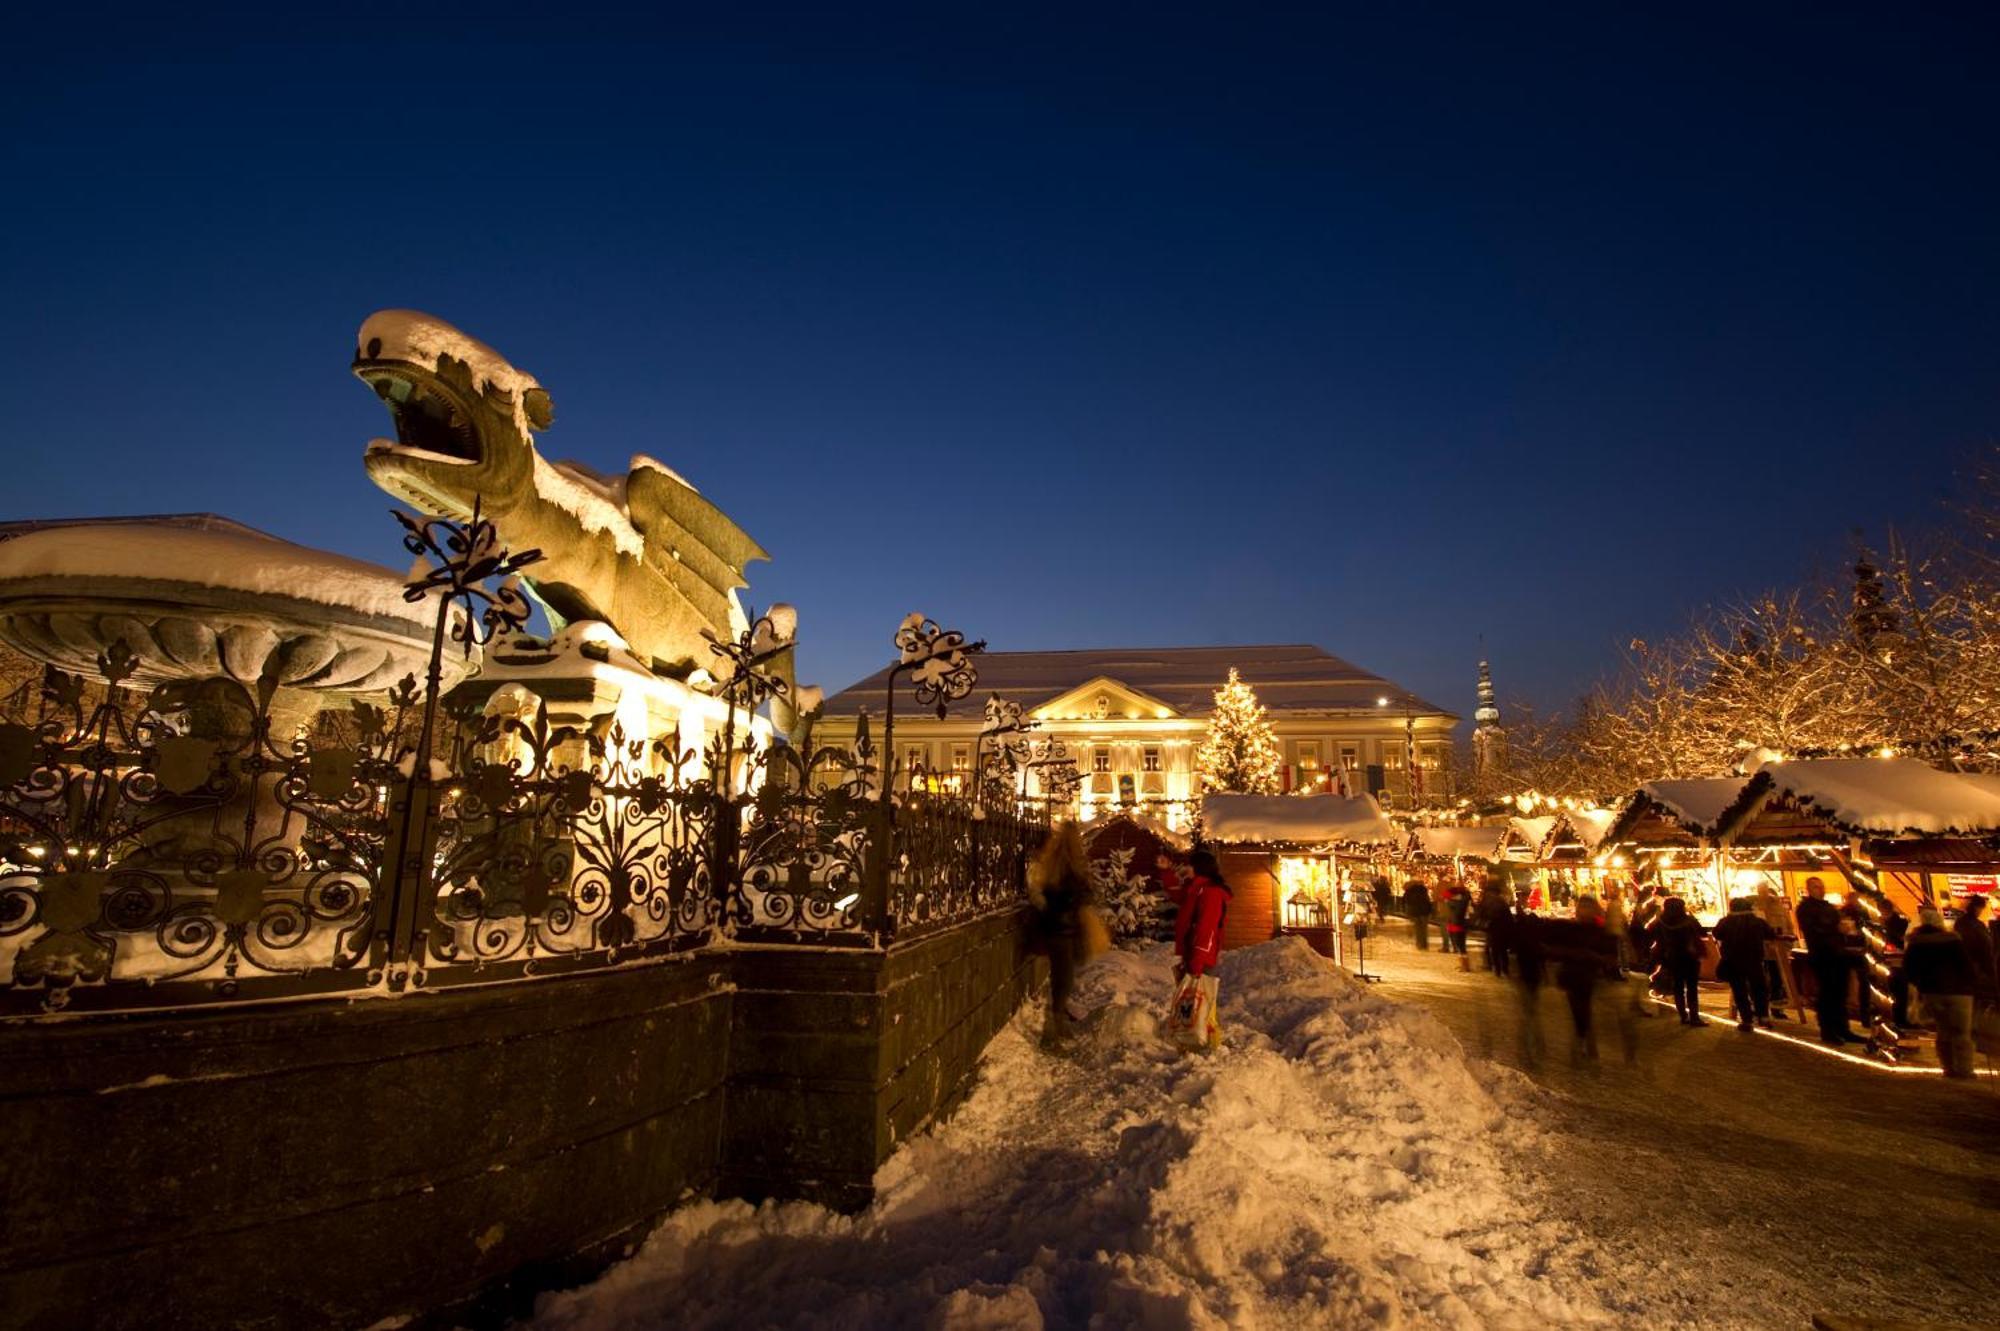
168, 847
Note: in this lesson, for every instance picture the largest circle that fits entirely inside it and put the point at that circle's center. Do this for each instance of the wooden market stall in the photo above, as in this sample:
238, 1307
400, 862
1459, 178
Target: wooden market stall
1290, 860
1894, 828
1891, 834
1575, 856
1670, 832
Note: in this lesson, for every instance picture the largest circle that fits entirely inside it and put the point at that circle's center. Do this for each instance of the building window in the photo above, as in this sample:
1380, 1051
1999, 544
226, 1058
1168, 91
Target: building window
1149, 760
961, 757
1309, 754
1100, 760
917, 757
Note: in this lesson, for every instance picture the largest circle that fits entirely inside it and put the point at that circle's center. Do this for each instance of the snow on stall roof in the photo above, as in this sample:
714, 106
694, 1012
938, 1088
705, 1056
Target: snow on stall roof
228, 560
1479, 843
1308, 819
1697, 802
1532, 832
1588, 826
1886, 796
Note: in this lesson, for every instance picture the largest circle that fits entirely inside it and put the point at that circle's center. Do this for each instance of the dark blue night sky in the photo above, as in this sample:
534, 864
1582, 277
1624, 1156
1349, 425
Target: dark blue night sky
1383, 331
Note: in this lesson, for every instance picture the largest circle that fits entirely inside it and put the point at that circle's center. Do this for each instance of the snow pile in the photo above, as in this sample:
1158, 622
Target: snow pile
1885, 796
159, 553
1339, 1162
1305, 819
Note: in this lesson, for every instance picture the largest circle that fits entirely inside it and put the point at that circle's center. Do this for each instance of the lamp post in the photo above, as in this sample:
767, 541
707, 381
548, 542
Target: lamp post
1409, 747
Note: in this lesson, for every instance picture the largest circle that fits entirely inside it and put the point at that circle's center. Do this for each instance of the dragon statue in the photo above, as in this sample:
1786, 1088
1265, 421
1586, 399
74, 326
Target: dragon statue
645, 553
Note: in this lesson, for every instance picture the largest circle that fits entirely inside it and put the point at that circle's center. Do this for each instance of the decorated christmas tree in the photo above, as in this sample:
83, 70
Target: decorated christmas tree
1240, 752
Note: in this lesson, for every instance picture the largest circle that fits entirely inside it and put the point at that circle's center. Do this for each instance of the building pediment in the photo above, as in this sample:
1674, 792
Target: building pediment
1104, 699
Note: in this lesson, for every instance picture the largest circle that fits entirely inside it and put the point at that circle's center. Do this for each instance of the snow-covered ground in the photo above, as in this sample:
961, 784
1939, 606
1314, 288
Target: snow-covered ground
1341, 1161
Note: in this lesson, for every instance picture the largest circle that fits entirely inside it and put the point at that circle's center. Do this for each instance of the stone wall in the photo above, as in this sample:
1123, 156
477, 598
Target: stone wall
330, 1163
825, 1042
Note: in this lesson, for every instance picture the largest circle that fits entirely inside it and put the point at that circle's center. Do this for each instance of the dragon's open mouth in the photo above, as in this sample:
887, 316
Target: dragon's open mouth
429, 418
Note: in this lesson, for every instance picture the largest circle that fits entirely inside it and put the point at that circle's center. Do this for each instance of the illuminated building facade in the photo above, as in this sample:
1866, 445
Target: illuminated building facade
1132, 718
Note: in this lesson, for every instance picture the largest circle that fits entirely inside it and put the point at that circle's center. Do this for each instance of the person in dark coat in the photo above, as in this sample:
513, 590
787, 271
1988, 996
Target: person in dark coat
1524, 948
1495, 915
1457, 912
1583, 953
1854, 921
1979, 951
1417, 905
1680, 948
1934, 960
1384, 898
1058, 889
1826, 953
1744, 937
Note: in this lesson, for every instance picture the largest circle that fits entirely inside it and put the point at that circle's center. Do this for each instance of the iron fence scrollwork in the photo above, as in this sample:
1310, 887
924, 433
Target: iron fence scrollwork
174, 845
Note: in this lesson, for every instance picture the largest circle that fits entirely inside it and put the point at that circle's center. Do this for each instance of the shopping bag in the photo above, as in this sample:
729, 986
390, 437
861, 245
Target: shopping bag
1193, 1023
1094, 935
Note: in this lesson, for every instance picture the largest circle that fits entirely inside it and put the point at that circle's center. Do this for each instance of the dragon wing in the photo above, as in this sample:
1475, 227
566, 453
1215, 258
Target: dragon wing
689, 540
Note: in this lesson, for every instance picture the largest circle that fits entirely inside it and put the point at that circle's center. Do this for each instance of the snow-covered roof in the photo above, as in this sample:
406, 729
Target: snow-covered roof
1696, 803
1443, 843
1302, 819
1882, 797
1678, 812
1579, 828
1290, 679
236, 561
1531, 832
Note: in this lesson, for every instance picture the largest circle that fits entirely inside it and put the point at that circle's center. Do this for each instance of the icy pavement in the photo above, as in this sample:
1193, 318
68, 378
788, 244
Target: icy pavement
1779, 1177
1340, 1162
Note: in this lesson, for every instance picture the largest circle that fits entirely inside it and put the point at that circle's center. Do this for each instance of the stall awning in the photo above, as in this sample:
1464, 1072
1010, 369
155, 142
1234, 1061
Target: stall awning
1307, 820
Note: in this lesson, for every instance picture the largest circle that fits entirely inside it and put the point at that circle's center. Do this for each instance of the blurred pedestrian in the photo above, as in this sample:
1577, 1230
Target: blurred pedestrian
1417, 905
1059, 889
1457, 912
1680, 949
1584, 954
1855, 919
1524, 947
1826, 954
1979, 951
1496, 914
1744, 935
1934, 959
1384, 898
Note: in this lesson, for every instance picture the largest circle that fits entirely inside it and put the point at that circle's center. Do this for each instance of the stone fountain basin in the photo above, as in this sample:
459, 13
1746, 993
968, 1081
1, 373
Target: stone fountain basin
198, 602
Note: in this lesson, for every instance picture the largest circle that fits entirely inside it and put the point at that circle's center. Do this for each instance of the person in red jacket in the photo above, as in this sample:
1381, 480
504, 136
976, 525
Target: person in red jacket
1204, 904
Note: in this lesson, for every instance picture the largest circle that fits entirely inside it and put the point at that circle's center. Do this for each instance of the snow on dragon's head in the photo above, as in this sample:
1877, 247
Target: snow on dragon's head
463, 415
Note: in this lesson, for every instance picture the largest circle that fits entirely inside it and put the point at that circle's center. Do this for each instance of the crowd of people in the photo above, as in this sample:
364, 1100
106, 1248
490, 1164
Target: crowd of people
1632, 942
1637, 940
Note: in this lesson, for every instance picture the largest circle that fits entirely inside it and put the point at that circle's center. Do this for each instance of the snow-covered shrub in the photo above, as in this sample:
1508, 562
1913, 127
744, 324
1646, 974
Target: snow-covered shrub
1130, 900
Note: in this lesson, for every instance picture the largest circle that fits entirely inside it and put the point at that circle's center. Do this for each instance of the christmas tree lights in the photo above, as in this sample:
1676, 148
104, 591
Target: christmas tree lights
1240, 752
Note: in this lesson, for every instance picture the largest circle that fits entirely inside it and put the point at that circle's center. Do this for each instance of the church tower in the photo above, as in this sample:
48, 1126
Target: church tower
1489, 737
